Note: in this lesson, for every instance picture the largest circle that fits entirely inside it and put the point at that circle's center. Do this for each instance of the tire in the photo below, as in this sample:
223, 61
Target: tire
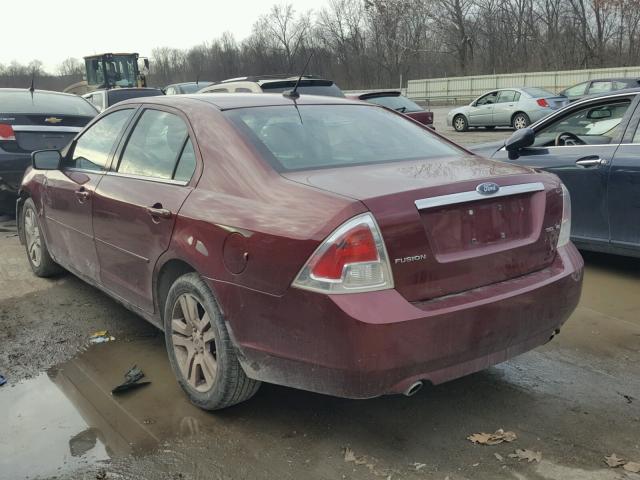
490, 127
460, 123
37, 252
203, 359
520, 120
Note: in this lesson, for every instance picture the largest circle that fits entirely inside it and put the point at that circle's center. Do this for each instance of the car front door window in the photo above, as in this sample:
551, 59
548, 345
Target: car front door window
93, 148
593, 124
488, 99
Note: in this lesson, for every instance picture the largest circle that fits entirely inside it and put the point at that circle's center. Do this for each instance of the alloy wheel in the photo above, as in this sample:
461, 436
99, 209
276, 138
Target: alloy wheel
519, 122
459, 123
194, 342
32, 236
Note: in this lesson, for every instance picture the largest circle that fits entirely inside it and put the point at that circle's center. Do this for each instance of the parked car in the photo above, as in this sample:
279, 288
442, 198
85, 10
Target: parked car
185, 87
507, 107
314, 242
593, 145
310, 85
394, 100
103, 99
599, 86
34, 121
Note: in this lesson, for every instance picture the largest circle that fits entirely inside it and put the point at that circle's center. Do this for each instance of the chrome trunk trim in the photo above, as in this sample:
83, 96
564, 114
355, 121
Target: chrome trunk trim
473, 195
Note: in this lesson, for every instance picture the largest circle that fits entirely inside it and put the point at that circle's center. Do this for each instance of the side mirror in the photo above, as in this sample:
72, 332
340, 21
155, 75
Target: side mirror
46, 159
520, 139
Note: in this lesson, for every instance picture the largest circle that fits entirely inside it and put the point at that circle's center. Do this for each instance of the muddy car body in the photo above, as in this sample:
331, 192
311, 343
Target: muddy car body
392, 258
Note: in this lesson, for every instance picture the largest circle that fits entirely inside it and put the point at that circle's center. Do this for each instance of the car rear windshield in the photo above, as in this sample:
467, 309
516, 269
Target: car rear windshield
321, 136
116, 95
324, 88
538, 92
44, 102
395, 102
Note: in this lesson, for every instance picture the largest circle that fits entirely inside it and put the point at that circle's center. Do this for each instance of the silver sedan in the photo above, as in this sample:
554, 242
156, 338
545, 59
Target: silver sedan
507, 107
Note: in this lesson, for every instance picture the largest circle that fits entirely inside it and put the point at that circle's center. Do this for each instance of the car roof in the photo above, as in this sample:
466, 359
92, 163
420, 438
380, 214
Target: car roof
614, 93
261, 79
26, 91
614, 79
230, 101
207, 82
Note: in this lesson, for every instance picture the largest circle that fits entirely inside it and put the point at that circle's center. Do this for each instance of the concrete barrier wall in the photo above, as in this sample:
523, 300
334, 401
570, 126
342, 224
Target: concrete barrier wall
457, 89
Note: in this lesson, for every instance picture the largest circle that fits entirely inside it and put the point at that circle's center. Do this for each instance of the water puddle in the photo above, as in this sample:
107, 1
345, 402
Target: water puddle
67, 418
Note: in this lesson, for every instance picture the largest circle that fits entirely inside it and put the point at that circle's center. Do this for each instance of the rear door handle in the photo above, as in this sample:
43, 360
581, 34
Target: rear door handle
157, 211
592, 161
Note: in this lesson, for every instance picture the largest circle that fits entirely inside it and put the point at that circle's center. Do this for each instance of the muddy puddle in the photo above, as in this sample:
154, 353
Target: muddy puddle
69, 416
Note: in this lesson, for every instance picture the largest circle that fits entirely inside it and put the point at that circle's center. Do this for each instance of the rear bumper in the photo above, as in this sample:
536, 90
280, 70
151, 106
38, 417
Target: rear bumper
371, 344
12, 168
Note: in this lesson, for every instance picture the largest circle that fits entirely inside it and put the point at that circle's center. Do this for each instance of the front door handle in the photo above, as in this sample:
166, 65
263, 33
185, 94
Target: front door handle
82, 195
157, 211
592, 161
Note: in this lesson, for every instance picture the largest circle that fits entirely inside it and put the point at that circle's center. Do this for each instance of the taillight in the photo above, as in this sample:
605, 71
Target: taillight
542, 102
565, 226
352, 259
6, 132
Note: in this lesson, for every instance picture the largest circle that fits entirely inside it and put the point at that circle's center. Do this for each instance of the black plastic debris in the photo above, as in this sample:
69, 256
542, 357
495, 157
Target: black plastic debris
132, 381
2, 380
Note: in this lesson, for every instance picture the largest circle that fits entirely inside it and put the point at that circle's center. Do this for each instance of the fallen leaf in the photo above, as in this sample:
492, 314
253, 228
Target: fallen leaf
349, 456
613, 461
418, 466
526, 454
499, 457
632, 467
494, 438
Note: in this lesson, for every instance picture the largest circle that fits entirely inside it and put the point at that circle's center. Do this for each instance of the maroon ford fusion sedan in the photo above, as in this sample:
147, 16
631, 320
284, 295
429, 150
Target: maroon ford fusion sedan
319, 243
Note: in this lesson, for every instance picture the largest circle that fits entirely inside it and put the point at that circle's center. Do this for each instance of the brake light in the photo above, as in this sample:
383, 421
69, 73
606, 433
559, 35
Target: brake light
542, 102
565, 226
6, 132
352, 259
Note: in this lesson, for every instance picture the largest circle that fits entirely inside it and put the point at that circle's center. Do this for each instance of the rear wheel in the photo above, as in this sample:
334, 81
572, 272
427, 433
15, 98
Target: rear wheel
39, 259
520, 120
460, 123
200, 350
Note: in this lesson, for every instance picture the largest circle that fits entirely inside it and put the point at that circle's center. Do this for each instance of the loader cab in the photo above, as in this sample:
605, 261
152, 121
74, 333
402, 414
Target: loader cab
115, 70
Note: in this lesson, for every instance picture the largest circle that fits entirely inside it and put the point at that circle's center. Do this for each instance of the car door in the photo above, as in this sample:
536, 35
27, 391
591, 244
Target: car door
136, 203
624, 189
504, 107
583, 168
68, 193
480, 112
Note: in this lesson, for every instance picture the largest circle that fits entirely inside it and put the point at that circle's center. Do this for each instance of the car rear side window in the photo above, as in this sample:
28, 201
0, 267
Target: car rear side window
187, 163
93, 148
316, 136
154, 146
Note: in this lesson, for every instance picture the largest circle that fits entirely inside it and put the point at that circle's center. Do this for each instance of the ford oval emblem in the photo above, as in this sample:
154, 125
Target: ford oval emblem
488, 188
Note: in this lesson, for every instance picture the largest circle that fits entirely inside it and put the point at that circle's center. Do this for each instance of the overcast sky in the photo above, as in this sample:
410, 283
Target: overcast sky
51, 31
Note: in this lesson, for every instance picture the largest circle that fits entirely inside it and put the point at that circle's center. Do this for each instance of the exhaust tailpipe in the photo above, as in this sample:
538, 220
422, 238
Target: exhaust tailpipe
413, 389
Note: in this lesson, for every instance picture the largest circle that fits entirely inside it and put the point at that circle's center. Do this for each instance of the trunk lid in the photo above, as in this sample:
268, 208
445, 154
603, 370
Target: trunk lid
557, 102
424, 117
40, 132
442, 236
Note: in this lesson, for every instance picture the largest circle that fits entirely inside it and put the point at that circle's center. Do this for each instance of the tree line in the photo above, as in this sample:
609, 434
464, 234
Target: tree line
376, 43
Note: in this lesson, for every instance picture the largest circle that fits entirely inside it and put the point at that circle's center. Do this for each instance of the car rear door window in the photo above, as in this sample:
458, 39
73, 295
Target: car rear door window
154, 146
600, 87
507, 96
93, 148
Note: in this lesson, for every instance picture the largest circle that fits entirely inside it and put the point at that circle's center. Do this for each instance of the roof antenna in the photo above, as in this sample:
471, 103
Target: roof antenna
32, 88
293, 94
